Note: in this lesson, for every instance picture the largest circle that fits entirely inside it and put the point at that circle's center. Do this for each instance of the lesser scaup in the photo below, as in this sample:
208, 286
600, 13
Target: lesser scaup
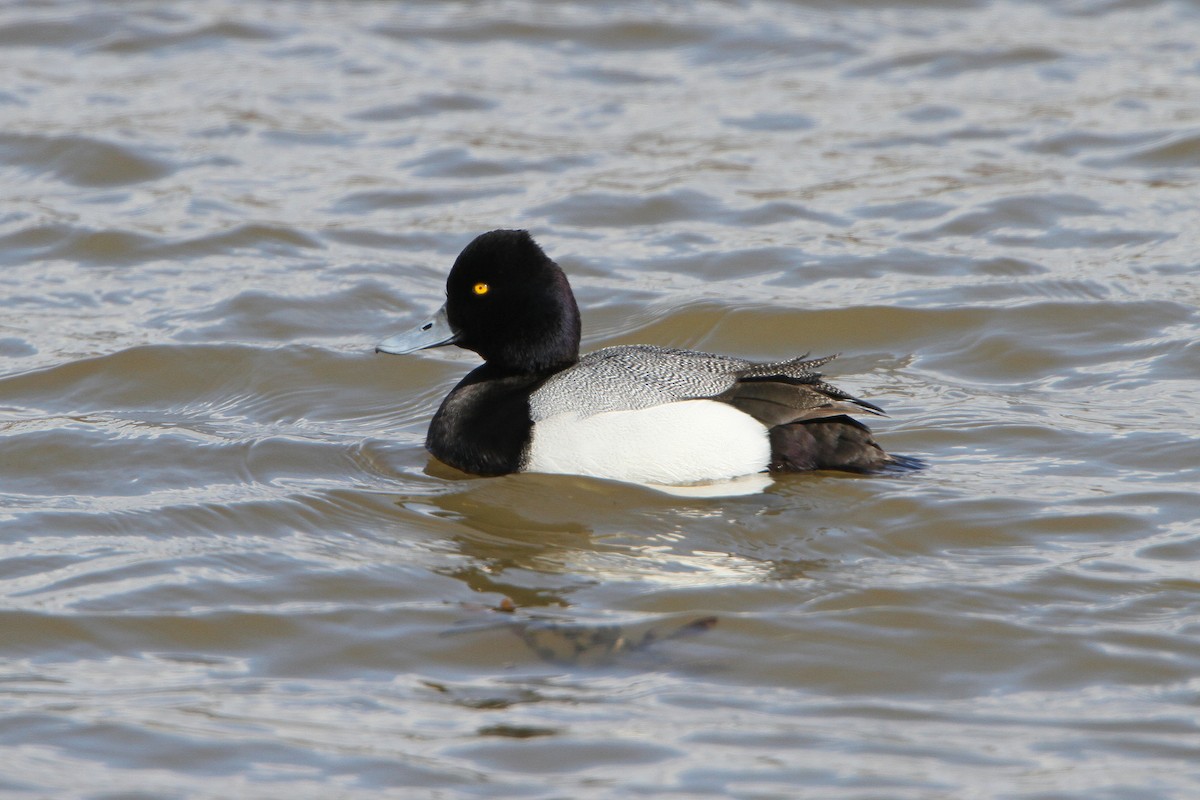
635, 412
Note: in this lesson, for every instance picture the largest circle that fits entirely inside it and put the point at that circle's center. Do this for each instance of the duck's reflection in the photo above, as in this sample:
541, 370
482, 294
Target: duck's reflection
531, 543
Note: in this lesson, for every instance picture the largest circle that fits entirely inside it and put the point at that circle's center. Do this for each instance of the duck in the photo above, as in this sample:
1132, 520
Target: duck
636, 413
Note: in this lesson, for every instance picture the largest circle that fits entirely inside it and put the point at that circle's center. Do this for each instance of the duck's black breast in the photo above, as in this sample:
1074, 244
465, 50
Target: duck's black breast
484, 426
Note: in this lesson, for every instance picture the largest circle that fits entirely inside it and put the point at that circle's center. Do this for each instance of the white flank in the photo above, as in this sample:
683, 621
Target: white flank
685, 442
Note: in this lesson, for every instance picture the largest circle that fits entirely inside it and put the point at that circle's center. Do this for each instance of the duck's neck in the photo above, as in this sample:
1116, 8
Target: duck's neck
483, 425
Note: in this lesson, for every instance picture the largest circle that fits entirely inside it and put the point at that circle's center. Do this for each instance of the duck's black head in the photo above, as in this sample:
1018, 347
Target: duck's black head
510, 303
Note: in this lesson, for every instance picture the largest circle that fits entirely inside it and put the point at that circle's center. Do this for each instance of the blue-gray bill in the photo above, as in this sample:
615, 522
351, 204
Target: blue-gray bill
434, 333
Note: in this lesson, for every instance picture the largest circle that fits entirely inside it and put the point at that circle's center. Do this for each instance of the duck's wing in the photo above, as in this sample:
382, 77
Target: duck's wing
631, 377
791, 391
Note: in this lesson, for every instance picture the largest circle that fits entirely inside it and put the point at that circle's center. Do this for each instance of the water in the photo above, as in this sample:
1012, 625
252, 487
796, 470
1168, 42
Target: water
229, 569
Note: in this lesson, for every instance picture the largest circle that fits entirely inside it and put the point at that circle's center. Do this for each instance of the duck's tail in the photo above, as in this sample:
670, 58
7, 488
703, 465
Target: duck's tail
837, 443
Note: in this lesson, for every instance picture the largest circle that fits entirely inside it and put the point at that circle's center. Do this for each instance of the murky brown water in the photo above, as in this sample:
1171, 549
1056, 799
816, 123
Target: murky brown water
228, 568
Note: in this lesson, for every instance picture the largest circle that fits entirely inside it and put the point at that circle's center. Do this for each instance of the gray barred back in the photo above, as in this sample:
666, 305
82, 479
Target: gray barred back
631, 377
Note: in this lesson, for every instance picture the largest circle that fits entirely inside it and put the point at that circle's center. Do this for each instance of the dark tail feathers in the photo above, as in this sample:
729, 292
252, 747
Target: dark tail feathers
840, 443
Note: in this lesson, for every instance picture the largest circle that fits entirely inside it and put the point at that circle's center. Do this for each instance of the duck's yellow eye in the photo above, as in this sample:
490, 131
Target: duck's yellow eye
481, 288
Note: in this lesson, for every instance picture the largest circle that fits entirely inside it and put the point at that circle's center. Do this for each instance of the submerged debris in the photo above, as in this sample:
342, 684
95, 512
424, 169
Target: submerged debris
575, 643
583, 644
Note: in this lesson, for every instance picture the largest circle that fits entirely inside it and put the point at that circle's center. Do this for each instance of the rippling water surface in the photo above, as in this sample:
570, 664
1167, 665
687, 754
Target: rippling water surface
229, 569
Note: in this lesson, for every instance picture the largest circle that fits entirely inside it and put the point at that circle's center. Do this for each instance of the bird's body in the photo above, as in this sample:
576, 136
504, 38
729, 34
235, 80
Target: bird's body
635, 412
